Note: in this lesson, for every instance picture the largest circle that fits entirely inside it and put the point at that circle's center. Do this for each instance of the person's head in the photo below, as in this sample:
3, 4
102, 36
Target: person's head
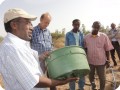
96, 27
45, 20
76, 24
113, 26
18, 22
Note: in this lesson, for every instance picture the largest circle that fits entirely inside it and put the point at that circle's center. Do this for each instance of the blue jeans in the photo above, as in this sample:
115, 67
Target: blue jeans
81, 84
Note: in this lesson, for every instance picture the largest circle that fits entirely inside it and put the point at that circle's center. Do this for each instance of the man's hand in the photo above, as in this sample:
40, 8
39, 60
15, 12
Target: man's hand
70, 80
107, 64
47, 82
44, 55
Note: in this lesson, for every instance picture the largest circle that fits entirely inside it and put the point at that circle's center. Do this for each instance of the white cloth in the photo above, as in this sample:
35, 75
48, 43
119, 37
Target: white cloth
76, 35
113, 33
19, 64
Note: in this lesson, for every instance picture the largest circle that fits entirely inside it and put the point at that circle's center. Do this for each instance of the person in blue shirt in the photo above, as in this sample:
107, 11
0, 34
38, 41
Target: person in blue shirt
42, 39
75, 37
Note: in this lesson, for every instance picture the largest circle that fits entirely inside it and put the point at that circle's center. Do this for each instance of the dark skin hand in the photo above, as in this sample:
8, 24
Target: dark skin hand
44, 55
46, 82
107, 62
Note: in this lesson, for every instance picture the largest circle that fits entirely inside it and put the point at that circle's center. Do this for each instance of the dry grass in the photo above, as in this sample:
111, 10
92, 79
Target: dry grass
59, 42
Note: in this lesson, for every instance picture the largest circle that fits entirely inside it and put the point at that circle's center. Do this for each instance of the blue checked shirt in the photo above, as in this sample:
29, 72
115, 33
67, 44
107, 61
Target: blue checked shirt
41, 40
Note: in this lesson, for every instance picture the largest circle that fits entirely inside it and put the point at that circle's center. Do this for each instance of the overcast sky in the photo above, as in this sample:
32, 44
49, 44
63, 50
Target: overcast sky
64, 11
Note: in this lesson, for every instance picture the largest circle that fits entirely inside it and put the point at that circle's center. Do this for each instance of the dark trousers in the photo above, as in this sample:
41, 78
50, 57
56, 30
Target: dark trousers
117, 48
100, 69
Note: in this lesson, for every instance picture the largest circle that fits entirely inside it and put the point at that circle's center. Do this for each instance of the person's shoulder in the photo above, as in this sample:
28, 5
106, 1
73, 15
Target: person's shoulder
87, 35
35, 28
7, 48
48, 30
80, 31
69, 32
102, 34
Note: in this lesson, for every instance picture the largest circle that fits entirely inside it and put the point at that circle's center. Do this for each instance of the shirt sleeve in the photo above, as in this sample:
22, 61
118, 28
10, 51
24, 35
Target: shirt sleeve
25, 72
108, 46
66, 40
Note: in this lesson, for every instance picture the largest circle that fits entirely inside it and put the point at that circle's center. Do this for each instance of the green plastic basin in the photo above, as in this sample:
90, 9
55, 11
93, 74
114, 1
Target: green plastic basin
66, 62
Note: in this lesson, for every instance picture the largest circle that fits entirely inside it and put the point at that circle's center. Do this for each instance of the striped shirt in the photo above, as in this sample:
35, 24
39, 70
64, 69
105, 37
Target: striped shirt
41, 40
19, 65
97, 47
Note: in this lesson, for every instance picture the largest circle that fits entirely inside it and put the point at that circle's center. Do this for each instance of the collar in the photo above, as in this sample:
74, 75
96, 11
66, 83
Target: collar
41, 29
95, 35
73, 32
16, 40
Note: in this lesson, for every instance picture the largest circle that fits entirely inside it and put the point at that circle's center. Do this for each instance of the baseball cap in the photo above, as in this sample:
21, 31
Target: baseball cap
17, 12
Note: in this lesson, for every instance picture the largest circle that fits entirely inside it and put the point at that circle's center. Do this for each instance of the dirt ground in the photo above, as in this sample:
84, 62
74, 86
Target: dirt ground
109, 80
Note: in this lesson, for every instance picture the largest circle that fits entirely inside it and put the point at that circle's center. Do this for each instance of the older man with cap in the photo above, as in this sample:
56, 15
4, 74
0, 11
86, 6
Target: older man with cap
19, 64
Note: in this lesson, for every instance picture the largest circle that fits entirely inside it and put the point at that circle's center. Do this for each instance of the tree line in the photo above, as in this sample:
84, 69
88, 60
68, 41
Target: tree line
61, 33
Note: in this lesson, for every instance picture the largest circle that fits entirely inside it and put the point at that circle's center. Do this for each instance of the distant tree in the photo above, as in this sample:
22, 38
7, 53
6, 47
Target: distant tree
63, 31
102, 29
58, 34
83, 28
86, 32
119, 25
107, 29
56, 31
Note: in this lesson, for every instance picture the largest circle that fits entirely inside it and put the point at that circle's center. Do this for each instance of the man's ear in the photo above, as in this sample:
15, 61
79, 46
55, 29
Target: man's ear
13, 25
72, 24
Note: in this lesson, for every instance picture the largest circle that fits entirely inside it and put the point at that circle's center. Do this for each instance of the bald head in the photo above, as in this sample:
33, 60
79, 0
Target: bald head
45, 15
45, 20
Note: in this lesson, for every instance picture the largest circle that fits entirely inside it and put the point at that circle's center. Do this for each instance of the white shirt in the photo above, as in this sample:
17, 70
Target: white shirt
19, 64
113, 33
76, 35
